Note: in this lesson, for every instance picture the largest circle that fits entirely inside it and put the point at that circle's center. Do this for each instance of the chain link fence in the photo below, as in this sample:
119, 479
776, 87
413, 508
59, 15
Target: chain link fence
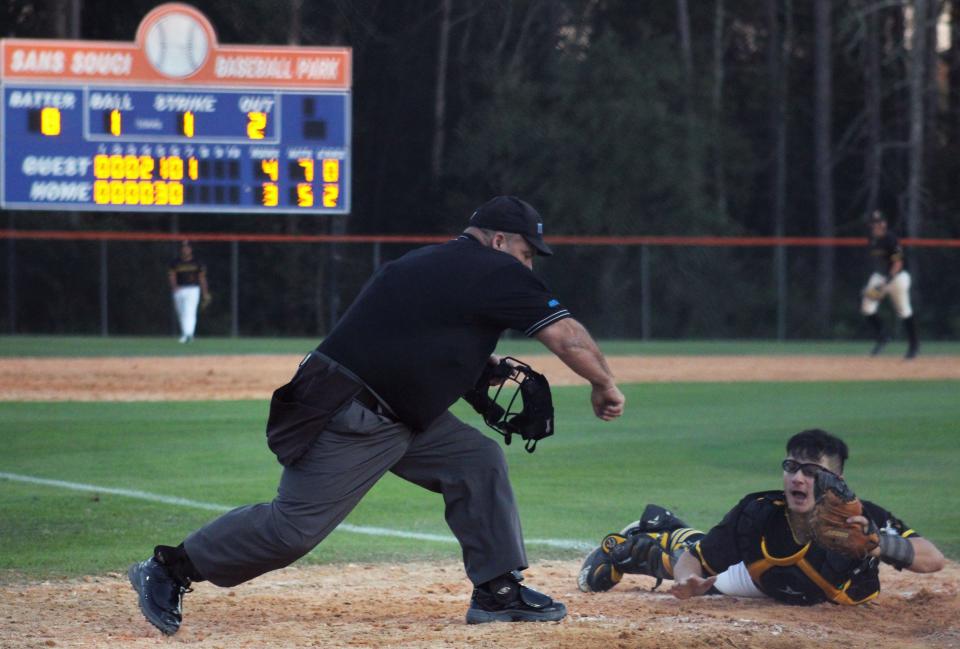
290, 288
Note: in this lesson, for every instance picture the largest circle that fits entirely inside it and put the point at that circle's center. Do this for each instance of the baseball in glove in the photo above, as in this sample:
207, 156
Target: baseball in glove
835, 503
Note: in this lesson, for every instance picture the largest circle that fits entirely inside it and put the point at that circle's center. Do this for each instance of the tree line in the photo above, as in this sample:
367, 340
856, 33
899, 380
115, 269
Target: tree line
755, 117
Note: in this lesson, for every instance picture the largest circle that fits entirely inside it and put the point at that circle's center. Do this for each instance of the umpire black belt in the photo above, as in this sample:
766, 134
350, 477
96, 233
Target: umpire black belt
372, 403
365, 396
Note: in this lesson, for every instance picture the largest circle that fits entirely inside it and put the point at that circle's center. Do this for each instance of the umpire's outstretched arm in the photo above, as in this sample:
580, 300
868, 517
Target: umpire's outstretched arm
573, 345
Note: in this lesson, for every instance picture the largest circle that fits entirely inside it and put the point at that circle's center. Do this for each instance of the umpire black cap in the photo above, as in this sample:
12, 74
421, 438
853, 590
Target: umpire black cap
510, 214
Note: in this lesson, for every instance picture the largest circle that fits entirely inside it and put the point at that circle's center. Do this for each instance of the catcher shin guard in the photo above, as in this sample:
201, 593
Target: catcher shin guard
647, 553
653, 519
598, 574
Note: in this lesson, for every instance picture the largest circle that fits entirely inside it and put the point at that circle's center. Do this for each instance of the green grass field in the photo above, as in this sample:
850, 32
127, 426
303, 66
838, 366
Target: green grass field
695, 447
156, 346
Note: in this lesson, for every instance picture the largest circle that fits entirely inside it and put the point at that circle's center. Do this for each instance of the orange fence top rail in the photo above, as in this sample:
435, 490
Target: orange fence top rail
559, 240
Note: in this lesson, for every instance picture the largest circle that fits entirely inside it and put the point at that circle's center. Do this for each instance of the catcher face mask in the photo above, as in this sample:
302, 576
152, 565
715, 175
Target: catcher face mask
533, 421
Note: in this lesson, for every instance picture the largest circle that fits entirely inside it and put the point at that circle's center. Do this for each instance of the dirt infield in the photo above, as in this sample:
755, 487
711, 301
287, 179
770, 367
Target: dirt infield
256, 376
416, 605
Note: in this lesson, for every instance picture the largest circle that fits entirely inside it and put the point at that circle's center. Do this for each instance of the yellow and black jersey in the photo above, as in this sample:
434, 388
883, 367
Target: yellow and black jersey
187, 272
758, 533
884, 251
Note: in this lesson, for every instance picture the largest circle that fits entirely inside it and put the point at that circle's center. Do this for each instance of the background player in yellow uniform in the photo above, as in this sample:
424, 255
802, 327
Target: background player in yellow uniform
889, 279
188, 283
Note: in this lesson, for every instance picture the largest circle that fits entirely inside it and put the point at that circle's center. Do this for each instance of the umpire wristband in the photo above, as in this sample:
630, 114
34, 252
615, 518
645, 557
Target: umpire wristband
896, 550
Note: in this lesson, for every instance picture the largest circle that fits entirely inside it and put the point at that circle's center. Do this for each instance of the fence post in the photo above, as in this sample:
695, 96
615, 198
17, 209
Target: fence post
780, 263
234, 288
11, 278
376, 255
104, 298
645, 301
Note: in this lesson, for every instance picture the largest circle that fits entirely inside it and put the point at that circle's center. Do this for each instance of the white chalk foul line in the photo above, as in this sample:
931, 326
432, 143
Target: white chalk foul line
563, 544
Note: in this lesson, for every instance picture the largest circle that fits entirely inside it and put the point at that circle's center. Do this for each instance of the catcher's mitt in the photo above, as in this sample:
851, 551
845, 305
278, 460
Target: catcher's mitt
835, 503
533, 421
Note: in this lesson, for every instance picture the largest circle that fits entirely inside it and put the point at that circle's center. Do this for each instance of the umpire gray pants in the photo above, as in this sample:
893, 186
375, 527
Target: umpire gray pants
355, 449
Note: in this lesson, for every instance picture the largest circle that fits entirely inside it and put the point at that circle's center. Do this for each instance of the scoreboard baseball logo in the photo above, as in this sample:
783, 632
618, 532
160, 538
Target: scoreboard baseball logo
176, 39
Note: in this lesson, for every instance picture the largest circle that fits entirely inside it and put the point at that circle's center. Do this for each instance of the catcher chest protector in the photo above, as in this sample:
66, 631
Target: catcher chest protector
533, 421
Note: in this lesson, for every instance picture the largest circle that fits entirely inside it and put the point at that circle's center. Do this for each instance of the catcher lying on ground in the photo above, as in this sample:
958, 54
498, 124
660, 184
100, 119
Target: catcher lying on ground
814, 541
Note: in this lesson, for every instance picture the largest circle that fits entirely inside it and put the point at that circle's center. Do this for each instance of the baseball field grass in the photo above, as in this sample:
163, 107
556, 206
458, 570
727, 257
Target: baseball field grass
121, 477
41, 346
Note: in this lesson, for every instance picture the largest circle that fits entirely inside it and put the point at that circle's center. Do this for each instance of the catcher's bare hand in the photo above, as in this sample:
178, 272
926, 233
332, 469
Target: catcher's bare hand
692, 586
607, 401
493, 362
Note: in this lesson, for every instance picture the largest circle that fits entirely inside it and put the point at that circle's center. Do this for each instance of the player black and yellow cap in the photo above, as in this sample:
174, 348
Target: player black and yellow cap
510, 214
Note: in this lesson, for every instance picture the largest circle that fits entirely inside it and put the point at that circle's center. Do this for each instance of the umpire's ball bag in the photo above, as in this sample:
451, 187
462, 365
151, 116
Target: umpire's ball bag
301, 409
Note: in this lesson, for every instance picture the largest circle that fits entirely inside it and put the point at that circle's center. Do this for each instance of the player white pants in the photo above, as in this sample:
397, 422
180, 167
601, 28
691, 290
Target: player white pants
898, 289
186, 299
736, 581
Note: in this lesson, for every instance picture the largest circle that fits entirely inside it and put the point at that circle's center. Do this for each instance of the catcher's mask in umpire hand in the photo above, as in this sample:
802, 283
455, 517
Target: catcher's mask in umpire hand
531, 418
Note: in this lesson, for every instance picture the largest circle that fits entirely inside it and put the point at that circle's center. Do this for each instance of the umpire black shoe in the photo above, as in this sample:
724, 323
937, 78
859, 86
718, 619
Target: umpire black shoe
160, 594
912, 352
504, 600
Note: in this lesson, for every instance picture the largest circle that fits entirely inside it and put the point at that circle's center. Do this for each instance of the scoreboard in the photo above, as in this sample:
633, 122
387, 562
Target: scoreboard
174, 123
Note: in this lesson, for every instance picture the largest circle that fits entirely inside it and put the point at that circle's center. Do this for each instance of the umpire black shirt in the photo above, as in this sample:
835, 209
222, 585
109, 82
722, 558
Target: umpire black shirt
424, 325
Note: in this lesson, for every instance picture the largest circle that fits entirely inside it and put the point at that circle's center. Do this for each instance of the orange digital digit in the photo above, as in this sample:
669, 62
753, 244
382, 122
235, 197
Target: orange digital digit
101, 166
116, 192
50, 121
131, 167
176, 193
101, 192
270, 168
176, 168
146, 192
256, 125
117, 167
187, 123
307, 165
304, 195
331, 170
271, 195
131, 192
146, 167
331, 194
116, 122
